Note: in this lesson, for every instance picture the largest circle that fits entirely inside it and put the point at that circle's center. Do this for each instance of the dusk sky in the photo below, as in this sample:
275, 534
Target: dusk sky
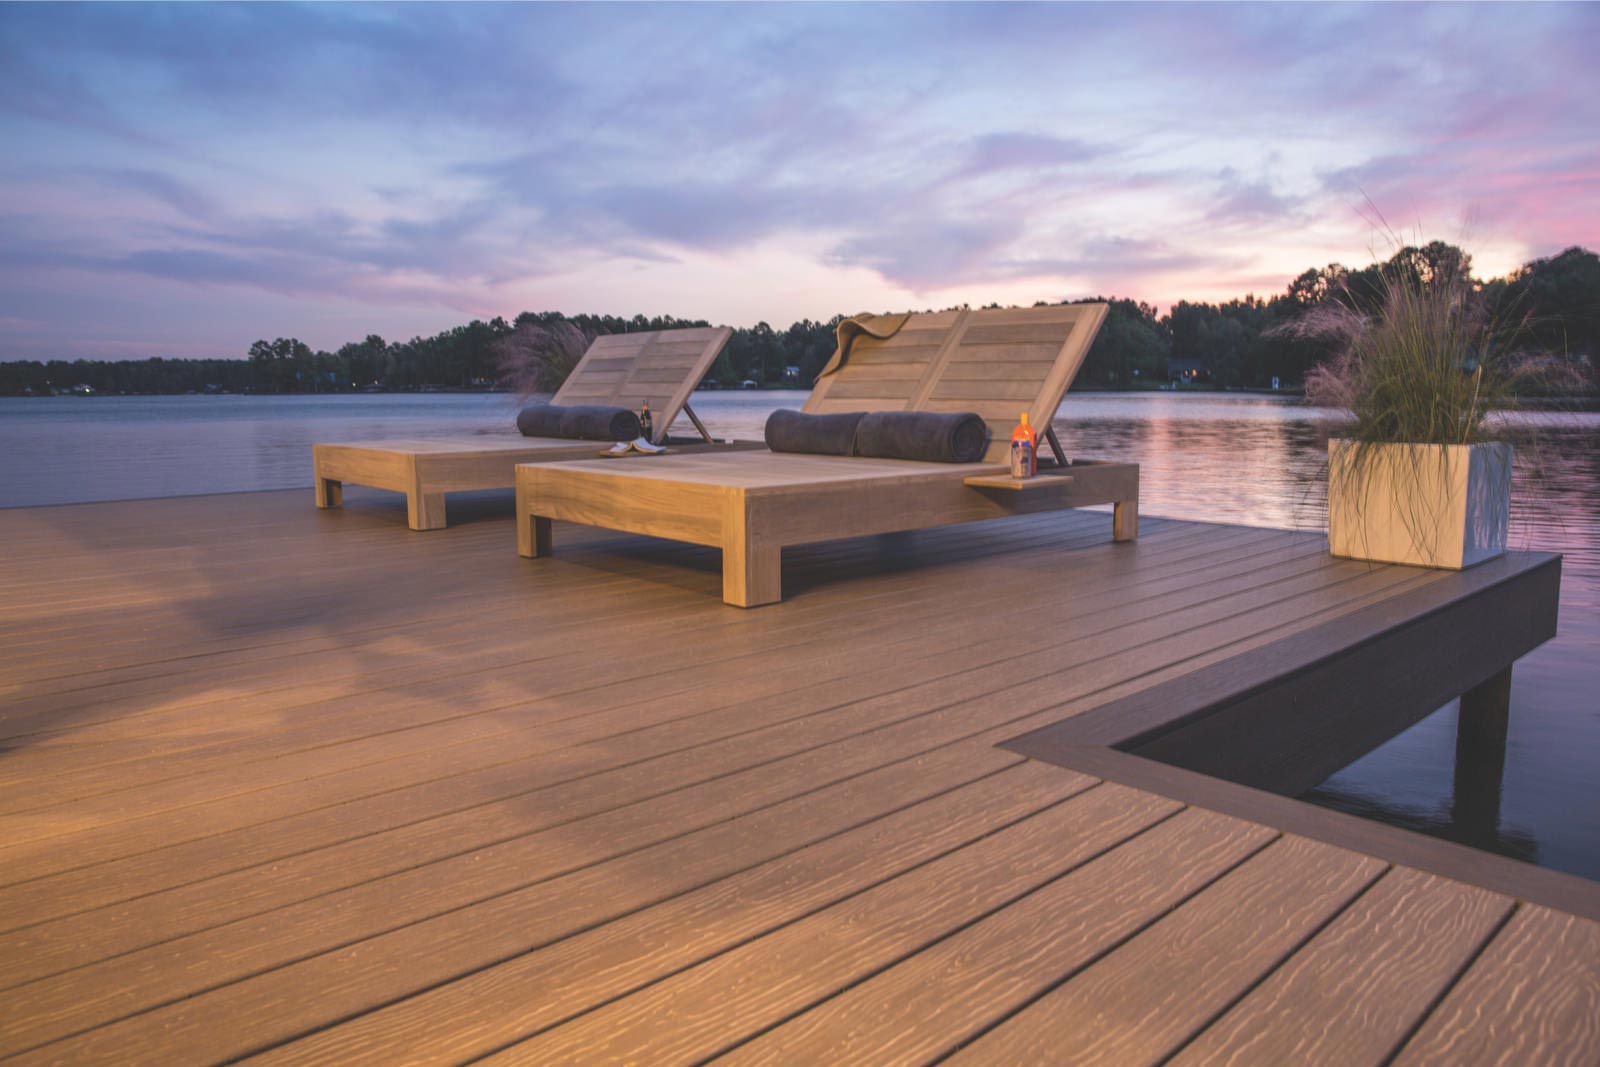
180, 181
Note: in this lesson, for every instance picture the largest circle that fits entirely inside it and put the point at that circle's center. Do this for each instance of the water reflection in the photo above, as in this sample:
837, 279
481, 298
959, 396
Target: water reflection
1255, 460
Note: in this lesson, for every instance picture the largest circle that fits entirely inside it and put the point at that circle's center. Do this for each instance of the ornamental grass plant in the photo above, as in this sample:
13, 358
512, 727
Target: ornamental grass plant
1427, 364
1420, 363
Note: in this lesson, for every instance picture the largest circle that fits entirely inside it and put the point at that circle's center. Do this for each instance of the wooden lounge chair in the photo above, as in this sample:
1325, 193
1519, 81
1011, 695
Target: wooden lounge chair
996, 363
626, 369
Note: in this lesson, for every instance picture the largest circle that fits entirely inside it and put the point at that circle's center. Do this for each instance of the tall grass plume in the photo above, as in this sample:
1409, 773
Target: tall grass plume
1420, 360
536, 358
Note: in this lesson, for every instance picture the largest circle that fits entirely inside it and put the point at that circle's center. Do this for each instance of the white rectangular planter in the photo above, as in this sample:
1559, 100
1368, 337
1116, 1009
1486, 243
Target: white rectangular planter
1429, 505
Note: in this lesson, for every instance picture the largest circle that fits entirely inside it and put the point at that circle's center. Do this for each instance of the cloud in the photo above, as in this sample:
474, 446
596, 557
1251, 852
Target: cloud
165, 189
1239, 200
992, 152
923, 254
433, 158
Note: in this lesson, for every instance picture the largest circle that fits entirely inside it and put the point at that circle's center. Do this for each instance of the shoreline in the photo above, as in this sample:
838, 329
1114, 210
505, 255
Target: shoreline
1293, 394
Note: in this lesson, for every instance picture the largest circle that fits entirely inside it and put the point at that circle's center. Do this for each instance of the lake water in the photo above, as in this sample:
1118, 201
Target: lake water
1255, 460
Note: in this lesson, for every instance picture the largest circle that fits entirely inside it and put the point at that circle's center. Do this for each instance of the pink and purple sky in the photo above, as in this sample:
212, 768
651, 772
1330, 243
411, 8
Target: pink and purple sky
180, 181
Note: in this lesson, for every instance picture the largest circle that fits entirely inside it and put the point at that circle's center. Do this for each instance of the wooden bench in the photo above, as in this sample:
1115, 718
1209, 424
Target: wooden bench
996, 362
660, 368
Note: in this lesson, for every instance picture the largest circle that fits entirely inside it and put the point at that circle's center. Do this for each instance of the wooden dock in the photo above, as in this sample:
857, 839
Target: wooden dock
282, 785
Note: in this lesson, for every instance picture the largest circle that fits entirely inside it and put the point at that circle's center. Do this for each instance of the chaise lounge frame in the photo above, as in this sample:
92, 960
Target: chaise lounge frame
661, 367
996, 362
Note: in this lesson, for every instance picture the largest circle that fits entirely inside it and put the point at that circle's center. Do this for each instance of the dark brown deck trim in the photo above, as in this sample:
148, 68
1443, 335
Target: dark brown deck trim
1500, 874
1247, 735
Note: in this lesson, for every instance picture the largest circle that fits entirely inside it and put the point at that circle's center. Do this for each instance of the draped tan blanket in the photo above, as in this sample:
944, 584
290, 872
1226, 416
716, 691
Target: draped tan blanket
882, 327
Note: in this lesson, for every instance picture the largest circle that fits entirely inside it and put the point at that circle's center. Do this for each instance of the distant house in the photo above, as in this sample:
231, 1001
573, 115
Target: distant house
1188, 371
791, 374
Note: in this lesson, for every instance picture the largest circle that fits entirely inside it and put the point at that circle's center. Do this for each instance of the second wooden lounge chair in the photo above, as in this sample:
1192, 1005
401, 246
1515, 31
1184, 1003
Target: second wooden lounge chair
995, 362
661, 367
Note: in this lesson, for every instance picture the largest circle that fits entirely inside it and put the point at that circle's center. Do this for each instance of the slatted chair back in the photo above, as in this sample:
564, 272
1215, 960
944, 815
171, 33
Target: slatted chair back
996, 362
661, 368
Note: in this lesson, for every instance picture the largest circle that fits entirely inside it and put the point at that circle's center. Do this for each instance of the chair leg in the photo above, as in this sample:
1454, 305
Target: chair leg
330, 492
751, 575
425, 511
1125, 520
535, 538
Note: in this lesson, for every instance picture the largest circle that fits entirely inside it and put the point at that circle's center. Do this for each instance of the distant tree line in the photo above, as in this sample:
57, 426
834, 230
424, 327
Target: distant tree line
1549, 305
1554, 305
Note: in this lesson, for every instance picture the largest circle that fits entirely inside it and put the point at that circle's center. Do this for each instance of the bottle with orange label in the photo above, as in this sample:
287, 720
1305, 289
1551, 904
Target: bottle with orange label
1024, 450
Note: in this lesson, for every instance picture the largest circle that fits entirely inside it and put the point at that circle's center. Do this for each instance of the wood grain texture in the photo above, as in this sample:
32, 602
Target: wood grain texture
927, 655
1034, 684
299, 784
1533, 996
759, 983
167, 1000
975, 977
932, 665
495, 1008
1144, 1001
1163, 564
1353, 994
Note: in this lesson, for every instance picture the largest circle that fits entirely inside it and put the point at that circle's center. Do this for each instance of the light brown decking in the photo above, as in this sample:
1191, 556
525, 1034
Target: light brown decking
293, 783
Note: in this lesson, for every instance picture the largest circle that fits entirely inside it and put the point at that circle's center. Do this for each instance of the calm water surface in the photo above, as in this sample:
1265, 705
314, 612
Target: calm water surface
1218, 458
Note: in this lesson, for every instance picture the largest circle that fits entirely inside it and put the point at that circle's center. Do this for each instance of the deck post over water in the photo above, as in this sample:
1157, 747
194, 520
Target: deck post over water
1482, 722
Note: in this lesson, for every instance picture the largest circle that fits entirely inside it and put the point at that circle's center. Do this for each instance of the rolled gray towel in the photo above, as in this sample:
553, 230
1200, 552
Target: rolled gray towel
579, 422
827, 435
961, 437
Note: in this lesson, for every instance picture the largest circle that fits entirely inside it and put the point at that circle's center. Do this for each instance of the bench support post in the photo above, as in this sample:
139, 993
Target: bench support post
425, 511
1125, 520
535, 538
330, 492
752, 569
751, 575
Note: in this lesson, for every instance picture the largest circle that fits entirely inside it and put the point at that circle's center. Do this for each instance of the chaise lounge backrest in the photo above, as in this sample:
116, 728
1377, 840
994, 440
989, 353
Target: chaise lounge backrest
660, 368
993, 361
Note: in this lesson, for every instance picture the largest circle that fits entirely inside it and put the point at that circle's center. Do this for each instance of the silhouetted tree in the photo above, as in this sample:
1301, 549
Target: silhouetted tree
1241, 342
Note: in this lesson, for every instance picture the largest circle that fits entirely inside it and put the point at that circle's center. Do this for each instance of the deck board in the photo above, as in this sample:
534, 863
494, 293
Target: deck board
493, 1008
1532, 996
1139, 1004
767, 980
976, 977
1413, 934
299, 784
